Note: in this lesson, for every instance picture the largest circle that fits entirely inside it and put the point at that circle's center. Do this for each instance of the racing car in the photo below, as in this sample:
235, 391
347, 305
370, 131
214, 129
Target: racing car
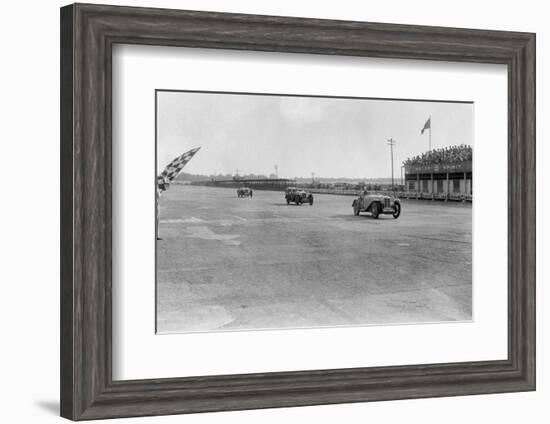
298, 196
377, 204
244, 192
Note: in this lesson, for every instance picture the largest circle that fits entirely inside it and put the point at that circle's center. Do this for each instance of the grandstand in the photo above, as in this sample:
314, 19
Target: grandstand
440, 174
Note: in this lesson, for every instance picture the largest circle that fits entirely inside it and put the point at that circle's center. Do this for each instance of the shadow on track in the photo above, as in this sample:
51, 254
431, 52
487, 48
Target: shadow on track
290, 205
361, 218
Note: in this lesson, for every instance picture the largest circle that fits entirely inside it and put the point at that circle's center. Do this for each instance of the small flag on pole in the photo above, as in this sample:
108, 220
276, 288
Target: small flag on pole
174, 168
427, 125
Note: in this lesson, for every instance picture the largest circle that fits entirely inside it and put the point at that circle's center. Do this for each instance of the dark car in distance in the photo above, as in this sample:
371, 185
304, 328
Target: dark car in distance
244, 192
298, 196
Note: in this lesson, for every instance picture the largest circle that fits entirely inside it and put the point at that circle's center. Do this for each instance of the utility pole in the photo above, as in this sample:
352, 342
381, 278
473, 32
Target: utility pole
391, 143
313, 178
276, 171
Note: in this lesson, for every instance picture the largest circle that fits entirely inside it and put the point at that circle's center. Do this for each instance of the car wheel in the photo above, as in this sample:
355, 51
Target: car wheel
375, 211
288, 201
356, 210
396, 210
310, 200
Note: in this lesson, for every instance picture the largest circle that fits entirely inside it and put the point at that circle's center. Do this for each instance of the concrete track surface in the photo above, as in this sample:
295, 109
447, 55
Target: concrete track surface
226, 263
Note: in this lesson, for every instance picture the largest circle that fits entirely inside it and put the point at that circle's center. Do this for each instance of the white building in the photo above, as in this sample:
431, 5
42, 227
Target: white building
439, 181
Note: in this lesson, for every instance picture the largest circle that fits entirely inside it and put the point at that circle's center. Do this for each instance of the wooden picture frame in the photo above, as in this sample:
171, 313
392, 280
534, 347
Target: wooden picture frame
88, 33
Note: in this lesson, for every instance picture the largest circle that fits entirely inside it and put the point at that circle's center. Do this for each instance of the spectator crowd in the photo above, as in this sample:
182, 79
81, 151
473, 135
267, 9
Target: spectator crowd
445, 155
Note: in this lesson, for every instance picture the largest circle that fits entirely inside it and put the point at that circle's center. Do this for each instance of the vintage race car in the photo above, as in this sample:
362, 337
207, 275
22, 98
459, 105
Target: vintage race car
377, 204
244, 192
298, 196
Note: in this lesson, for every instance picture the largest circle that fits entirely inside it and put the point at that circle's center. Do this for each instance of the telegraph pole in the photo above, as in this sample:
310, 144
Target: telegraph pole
391, 143
276, 171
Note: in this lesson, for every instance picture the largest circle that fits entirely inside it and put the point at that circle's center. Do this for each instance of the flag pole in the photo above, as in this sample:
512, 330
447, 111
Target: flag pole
430, 145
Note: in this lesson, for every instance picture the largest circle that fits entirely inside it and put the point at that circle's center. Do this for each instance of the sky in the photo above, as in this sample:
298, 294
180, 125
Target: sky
331, 137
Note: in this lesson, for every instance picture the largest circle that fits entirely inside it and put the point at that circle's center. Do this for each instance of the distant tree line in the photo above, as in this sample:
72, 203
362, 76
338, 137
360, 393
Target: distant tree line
185, 176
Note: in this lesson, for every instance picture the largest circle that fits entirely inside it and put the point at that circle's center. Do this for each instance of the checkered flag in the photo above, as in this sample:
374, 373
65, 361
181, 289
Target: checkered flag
174, 168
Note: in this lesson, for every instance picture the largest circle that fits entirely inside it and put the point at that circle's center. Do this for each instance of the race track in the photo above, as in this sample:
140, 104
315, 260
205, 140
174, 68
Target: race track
227, 263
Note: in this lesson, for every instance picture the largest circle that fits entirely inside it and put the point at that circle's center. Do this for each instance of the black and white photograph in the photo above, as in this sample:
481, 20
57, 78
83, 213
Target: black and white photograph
282, 211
